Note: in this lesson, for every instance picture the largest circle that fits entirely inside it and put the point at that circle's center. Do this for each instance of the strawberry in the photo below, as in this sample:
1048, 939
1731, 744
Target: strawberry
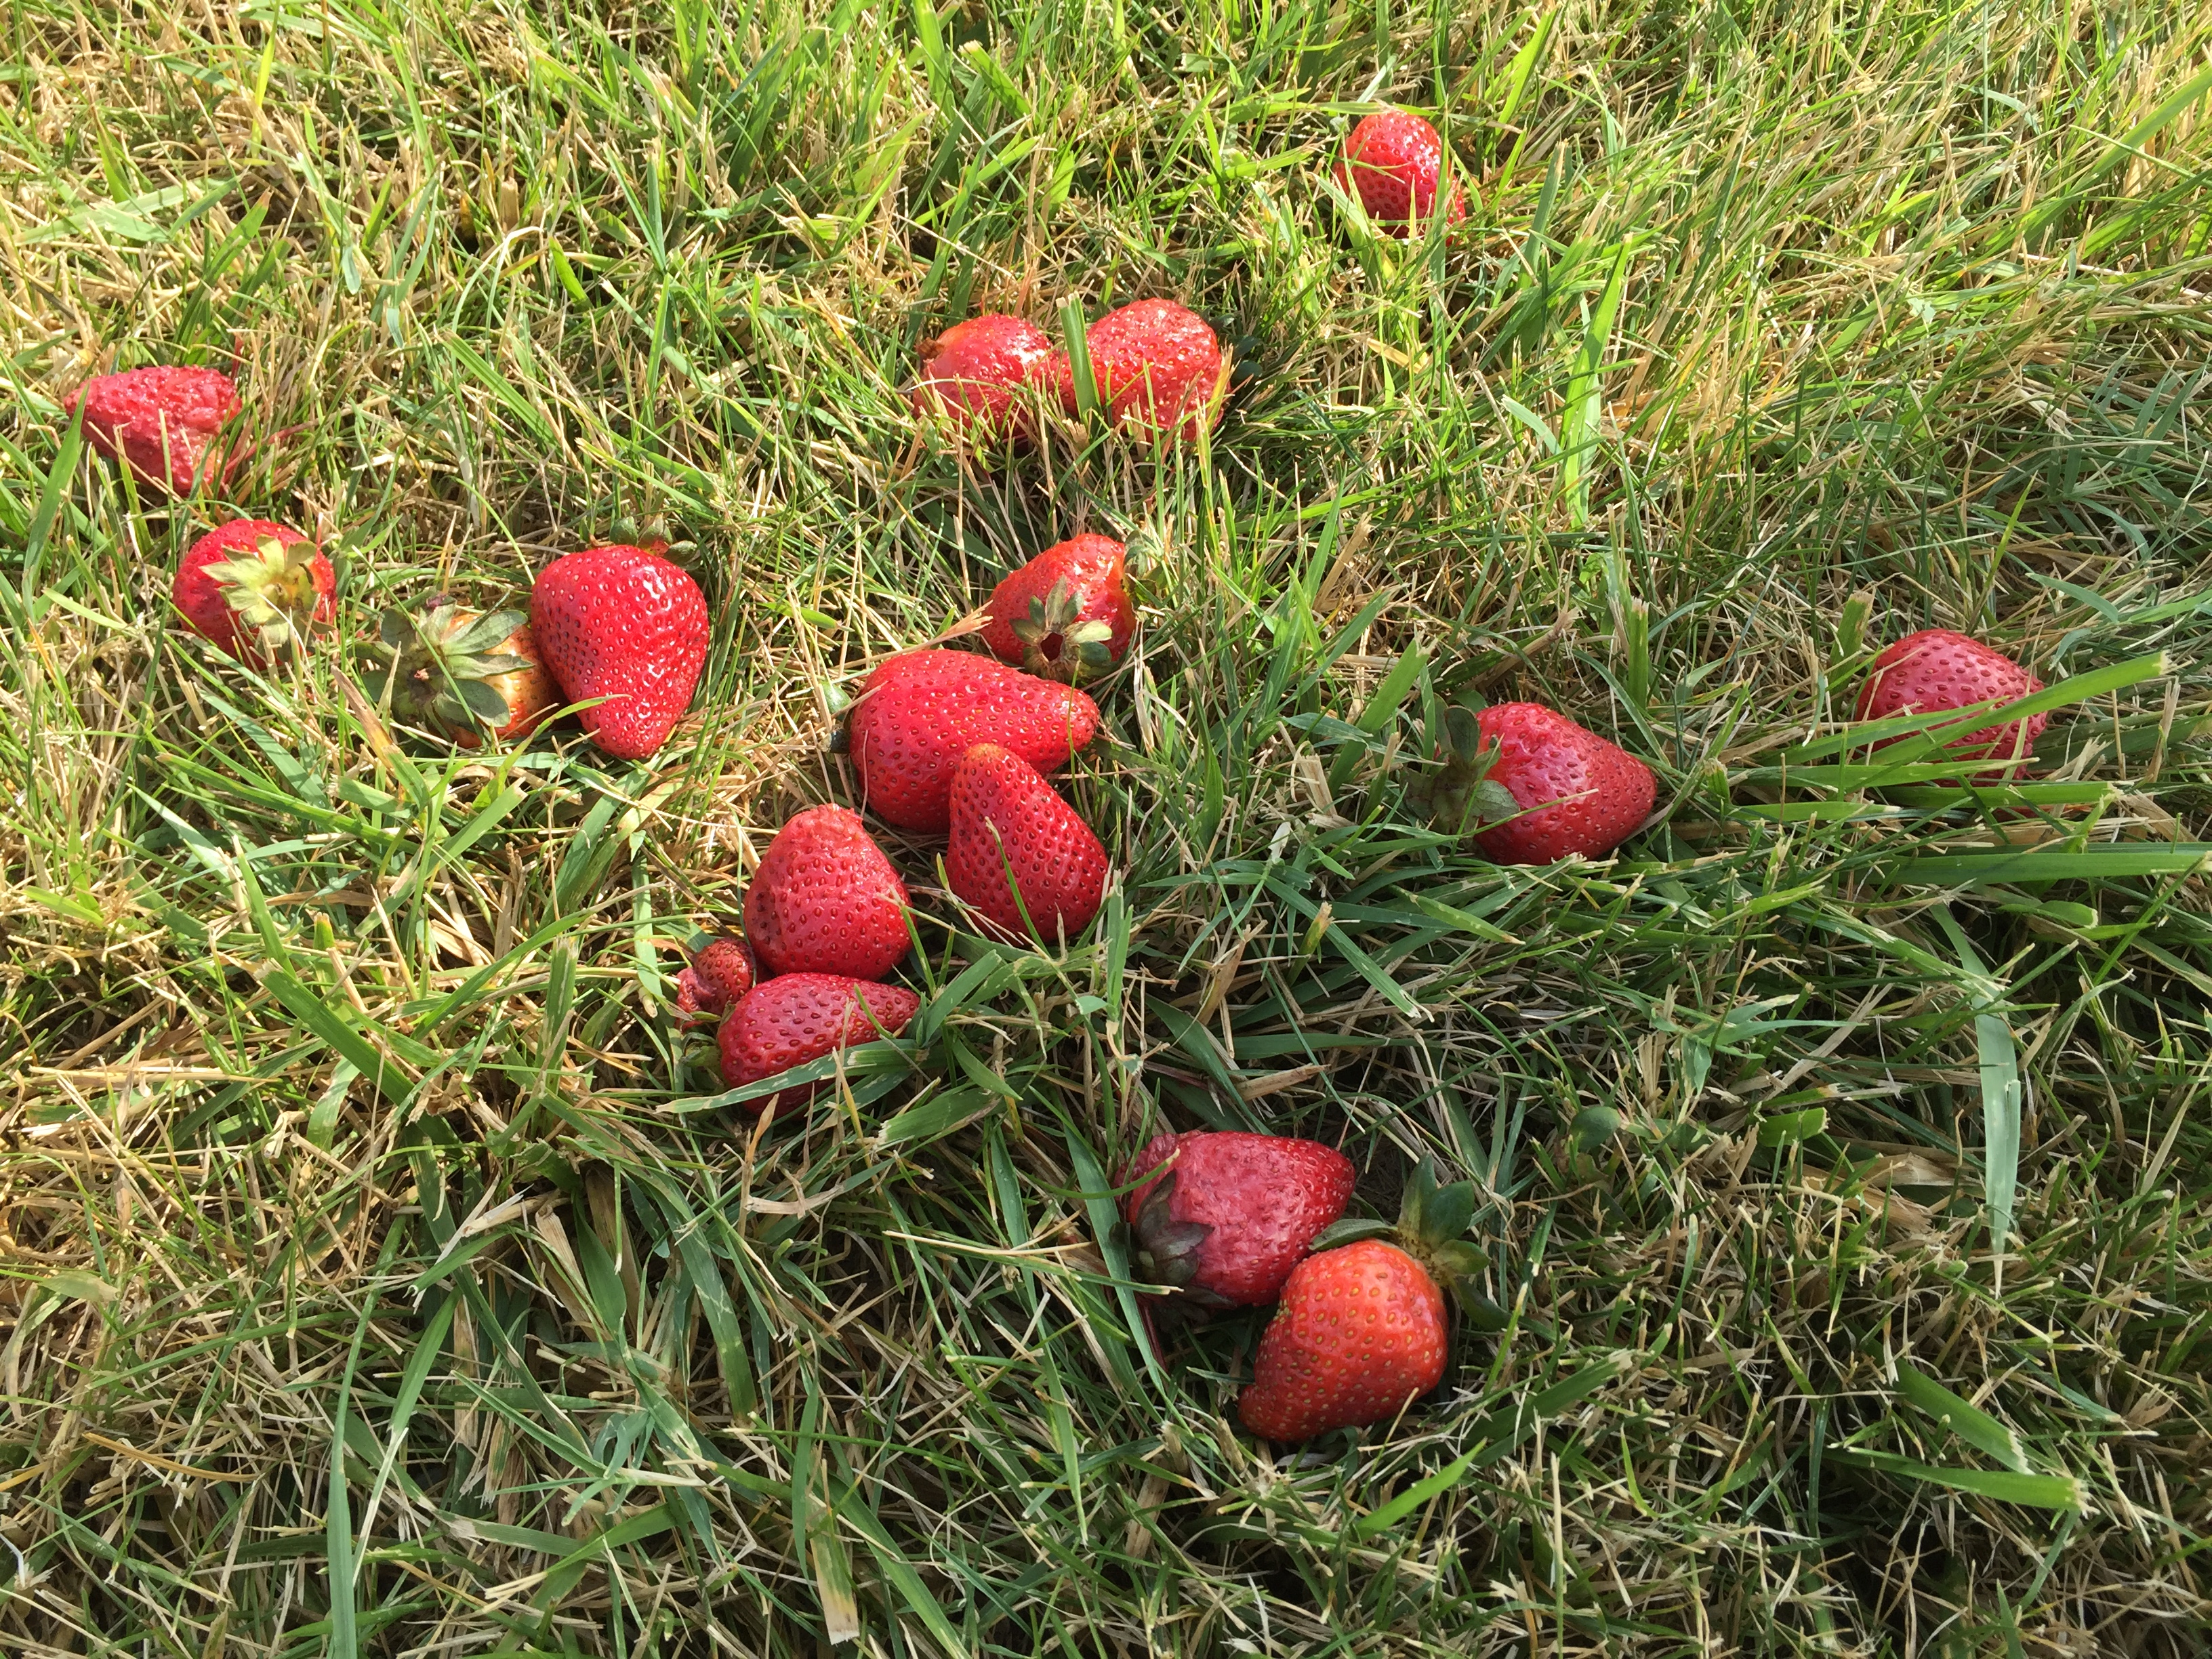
163, 424
1395, 161
1225, 1215
920, 712
1545, 785
463, 673
1153, 363
1937, 669
254, 587
1066, 612
976, 377
1006, 817
1360, 1333
825, 900
793, 1018
624, 625
719, 975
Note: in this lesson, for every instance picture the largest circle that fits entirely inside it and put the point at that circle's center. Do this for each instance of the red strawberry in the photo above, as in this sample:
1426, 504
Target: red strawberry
793, 1018
1360, 1333
254, 587
1937, 669
1154, 363
920, 712
624, 625
463, 673
1360, 1336
825, 900
1225, 1215
718, 976
976, 374
1559, 787
1395, 161
1065, 611
1005, 816
163, 424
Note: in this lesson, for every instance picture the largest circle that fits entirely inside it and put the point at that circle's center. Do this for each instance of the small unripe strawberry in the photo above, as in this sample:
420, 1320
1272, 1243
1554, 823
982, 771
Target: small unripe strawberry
719, 975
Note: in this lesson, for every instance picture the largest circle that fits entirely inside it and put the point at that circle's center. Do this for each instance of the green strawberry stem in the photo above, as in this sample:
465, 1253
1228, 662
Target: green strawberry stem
1431, 1220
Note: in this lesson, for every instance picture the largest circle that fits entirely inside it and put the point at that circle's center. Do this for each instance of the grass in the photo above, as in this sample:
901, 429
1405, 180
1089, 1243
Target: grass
381, 1274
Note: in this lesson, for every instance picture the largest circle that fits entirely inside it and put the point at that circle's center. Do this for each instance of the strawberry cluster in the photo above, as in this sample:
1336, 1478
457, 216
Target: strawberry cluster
962, 746
1230, 1219
943, 743
619, 631
1151, 368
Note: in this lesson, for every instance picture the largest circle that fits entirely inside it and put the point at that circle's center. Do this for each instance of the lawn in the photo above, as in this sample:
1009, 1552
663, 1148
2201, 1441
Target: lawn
378, 1270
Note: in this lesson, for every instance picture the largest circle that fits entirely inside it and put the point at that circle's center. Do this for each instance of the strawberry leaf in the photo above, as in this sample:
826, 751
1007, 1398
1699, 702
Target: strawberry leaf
1349, 1230
484, 700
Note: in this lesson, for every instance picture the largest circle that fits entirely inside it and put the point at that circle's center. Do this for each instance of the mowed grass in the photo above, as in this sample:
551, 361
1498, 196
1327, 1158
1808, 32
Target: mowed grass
381, 1273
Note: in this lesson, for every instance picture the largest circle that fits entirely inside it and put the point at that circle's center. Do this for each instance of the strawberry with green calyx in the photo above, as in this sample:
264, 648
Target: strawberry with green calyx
1535, 786
1459, 793
1223, 1215
1066, 613
462, 672
254, 587
1361, 1332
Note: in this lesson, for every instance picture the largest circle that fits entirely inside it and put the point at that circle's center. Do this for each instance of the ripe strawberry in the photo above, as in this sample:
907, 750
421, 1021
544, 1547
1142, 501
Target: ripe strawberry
1360, 1333
976, 375
624, 625
1937, 669
1005, 816
163, 424
1395, 161
920, 712
462, 672
1154, 363
793, 1018
1547, 786
1064, 612
825, 900
1225, 1215
254, 587
719, 975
